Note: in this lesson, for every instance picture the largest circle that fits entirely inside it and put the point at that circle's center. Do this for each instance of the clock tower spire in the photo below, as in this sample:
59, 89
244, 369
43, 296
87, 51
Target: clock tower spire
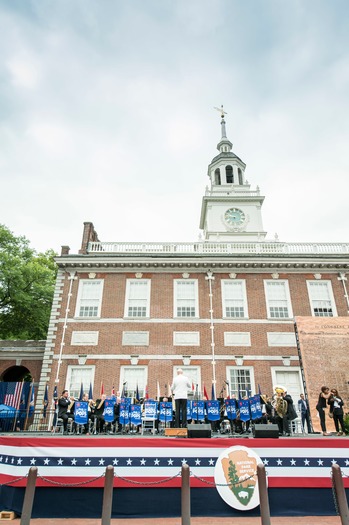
230, 210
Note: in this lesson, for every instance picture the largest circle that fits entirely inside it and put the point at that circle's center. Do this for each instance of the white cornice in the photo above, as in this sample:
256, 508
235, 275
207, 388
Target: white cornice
177, 357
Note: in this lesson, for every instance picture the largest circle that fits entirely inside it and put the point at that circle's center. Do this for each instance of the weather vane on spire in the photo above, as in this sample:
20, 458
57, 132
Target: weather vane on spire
221, 110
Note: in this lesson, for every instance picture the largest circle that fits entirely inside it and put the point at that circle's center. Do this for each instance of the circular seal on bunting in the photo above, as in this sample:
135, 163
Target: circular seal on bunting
235, 476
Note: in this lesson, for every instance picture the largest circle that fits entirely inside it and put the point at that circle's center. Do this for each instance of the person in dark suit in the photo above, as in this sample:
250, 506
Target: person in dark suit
64, 404
303, 408
291, 414
99, 410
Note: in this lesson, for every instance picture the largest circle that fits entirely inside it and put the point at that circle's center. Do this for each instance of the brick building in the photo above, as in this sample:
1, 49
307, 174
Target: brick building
21, 360
222, 309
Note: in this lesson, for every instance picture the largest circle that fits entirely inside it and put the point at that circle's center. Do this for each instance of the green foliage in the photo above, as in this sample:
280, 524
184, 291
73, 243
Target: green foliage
26, 288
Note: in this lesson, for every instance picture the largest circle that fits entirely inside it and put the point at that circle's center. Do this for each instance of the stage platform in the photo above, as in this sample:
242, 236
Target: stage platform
147, 474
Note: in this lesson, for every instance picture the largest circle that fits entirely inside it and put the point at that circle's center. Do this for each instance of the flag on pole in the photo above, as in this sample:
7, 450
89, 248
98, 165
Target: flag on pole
158, 391
55, 396
146, 395
137, 393
81, 395
45, 401
192, 386
213, 395
205, 392
113, 391
123, 392
13, 394
90, 394
32, 400
102, 388
228, 390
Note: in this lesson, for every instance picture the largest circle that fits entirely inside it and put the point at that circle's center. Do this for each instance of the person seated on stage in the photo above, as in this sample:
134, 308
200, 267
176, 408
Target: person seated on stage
64, 405
237, 426
267, 409
90, 410
116, 421
99, 414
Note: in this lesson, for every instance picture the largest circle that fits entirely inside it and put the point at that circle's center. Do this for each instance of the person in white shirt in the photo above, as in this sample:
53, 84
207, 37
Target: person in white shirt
179, 388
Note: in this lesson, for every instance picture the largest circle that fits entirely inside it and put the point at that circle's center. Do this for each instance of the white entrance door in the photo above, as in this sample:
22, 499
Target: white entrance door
291, 380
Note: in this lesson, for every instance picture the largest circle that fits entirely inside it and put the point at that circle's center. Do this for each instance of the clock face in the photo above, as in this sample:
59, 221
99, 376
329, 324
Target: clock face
234, 217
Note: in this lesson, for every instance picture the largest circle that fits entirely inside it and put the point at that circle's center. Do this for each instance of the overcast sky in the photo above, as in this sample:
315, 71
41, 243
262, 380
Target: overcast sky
106, 115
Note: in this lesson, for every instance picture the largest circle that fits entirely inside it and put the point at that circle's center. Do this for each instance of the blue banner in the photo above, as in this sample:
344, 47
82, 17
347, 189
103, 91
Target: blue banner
230, 406
124, 418
108, 413
135, 414
258, 406
189, 416
165, 412
255, 407
150, 410
81, 412
198, 410
244, 407
213, 410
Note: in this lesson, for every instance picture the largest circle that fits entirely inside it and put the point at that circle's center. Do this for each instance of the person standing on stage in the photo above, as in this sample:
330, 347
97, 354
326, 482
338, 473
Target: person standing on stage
179, 388
303, 408
336, 408
320, 407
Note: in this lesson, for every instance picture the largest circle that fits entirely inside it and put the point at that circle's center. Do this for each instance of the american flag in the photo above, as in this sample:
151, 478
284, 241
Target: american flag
289, 462
13, 395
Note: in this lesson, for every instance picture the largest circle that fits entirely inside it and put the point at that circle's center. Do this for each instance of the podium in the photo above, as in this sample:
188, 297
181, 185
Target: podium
176, 432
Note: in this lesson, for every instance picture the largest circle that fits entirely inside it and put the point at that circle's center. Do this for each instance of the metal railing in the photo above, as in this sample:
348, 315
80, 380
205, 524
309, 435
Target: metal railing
219, 248
26, 421
340, 500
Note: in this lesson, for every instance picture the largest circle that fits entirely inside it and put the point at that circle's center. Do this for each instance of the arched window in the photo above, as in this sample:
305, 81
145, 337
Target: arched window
240, 176
229, 174
217, 177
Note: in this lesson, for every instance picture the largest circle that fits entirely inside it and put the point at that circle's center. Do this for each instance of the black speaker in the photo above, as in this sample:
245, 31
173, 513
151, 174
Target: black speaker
266, 431
199, 431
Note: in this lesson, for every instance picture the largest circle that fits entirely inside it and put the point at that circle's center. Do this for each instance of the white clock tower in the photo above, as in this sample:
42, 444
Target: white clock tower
230, 210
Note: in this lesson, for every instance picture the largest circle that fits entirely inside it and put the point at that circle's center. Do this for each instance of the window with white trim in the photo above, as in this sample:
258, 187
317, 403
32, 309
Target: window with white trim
321, 298
193, 374
89, 300
77, 376
234, 299
278, 299
241, 381
137, 303
186, 298
133, 377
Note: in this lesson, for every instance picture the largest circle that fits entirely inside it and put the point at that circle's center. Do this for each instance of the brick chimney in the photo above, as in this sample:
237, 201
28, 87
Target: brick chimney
89, 235
64, 250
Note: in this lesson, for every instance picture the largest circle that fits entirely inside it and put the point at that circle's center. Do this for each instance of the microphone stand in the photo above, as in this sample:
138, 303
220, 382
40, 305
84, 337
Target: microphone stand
197, 403
230, 420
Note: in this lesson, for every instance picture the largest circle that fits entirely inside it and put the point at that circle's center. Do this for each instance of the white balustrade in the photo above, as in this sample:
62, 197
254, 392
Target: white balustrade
220, 248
